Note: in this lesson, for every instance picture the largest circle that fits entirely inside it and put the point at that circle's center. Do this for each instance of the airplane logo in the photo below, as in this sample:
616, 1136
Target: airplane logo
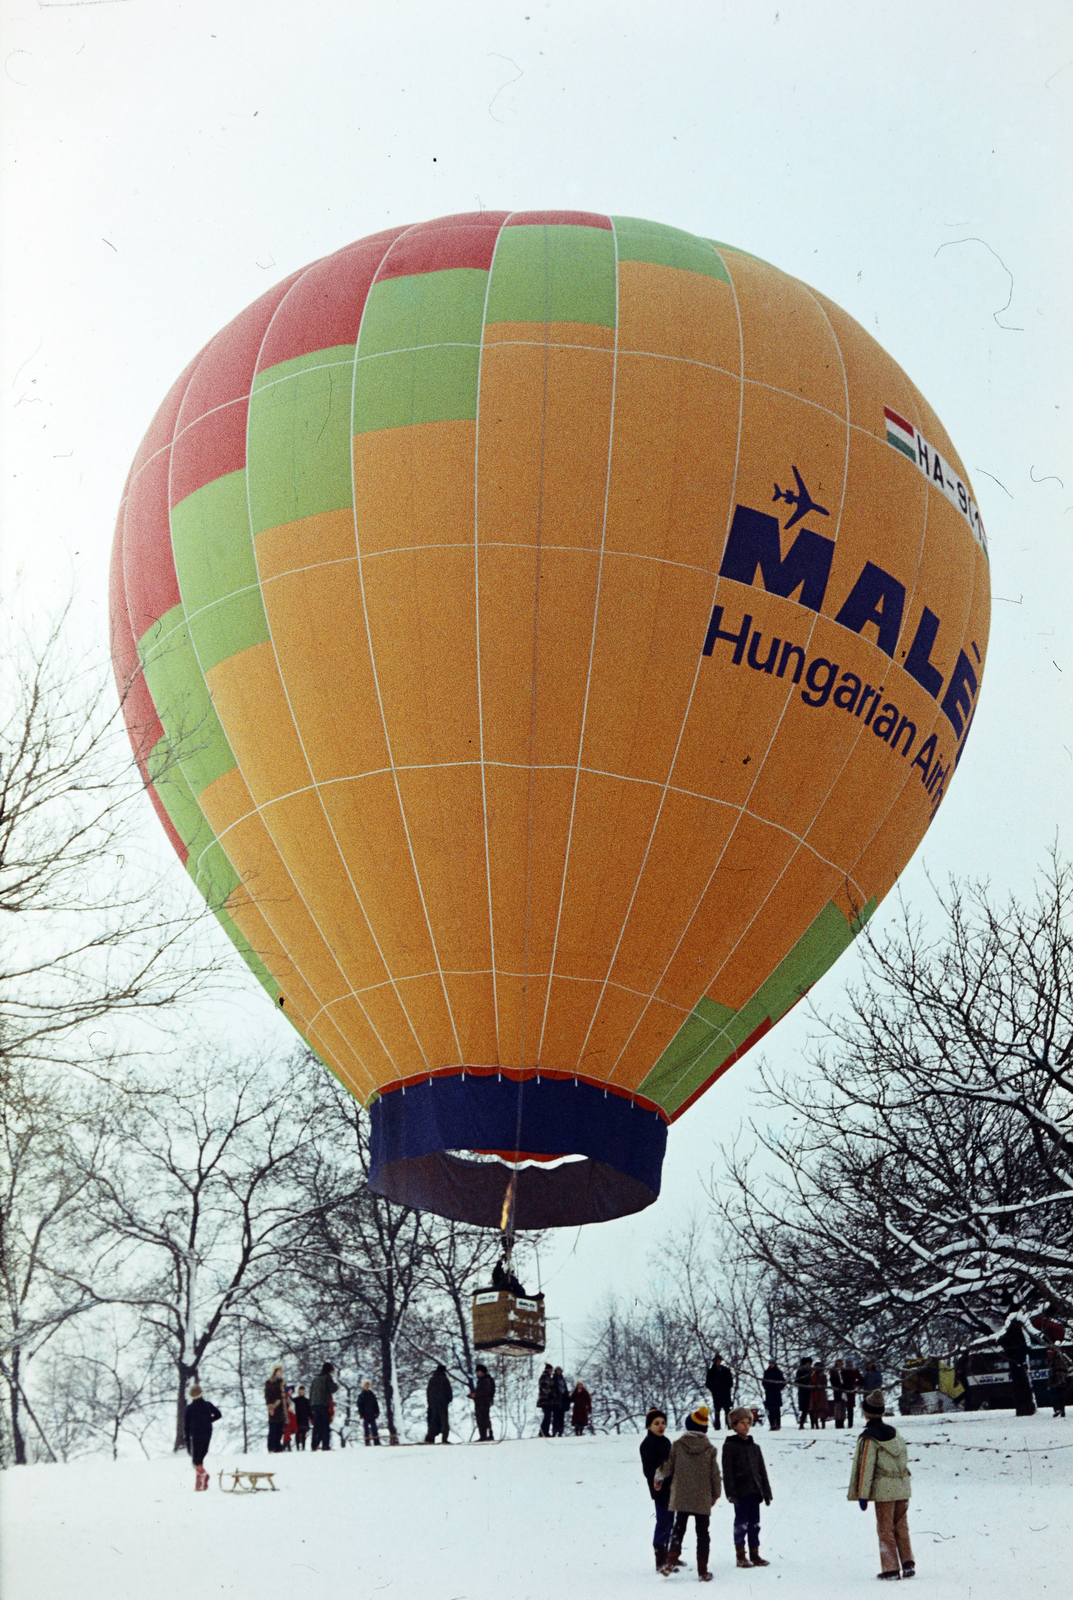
802, 500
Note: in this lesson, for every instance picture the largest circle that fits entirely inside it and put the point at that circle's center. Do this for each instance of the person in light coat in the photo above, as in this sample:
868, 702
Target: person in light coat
881, 1475
693, 1468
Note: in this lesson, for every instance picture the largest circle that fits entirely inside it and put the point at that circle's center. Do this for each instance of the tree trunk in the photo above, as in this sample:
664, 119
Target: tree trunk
16, 1432
186, 1373
387, 1378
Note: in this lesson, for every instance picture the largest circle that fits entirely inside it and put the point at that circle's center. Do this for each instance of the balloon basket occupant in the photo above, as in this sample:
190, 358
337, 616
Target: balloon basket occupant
507, 1321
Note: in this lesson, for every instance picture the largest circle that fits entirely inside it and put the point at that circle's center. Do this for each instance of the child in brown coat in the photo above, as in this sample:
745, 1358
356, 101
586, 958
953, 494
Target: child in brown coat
693, 1468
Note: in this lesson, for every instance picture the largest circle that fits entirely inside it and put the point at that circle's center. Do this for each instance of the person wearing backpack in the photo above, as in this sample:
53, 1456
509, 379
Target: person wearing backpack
881, 1475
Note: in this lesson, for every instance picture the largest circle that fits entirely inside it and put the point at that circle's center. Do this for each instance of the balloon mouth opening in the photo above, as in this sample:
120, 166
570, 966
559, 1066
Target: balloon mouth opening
575, 1152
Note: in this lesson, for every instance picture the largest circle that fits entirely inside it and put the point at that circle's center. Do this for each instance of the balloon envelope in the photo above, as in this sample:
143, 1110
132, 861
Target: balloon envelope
545, 636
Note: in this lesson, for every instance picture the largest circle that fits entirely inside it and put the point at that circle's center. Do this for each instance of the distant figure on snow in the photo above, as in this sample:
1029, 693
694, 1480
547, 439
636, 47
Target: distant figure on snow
290, 1417
872, 1377
693, 1468
302, 1416
851, 1383
439, 1394
197, 1429
745, 1482
276, 1406
819, 1406
546, 1399
320, 1404
881, 1475
560, 1402
482, 1394
719, 1382
803, 1382
581, 1414
368, 1411
774, 1384
1058, 1379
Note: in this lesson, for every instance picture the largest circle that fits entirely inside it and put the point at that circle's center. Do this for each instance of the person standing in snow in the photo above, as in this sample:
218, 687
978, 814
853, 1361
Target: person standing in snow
803, 1380
745, 1481
439, 1394
1058, 1376
368, 1411
693, 1468
197, 1429
301, 1417
881, 1474
719, 1381
819, 1407
276, 1406
838, 1392
774, 1384
655, 1448
320, 1404
851, 1383
871, 1377
546, 1399
560, 1402
580, 1416
482, 1394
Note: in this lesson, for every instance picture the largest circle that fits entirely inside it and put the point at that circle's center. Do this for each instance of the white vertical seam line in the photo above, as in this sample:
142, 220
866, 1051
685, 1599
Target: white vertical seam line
592, 652
376, 679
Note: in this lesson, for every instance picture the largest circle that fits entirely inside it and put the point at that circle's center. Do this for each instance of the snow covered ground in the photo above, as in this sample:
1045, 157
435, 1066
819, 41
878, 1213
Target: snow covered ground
990, 1516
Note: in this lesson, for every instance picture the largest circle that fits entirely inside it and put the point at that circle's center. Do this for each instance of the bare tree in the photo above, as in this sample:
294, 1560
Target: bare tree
92, 930
193, 1208
924, 1189
50, 1133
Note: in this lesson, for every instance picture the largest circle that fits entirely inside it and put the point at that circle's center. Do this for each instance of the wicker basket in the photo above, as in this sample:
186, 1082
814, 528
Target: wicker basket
507, 1324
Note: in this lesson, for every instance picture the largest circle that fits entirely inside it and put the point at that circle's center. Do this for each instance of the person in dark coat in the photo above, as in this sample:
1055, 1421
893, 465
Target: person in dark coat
803, 1380
655, 1448
774, 1384
302, 1417
560, 1402
320, 1403
745, 1484
482, 1394
546, 1399
872, 1377
368, 1411
276, 1406
581, 1403
197, 1429
838, 1395
720, 1384
851, 1384
439, 1394
504, 1280
1015, 1344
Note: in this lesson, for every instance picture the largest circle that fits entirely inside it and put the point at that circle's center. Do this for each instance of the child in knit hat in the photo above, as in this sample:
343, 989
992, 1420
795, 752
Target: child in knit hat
746, 1483
693, 1469
881, 1474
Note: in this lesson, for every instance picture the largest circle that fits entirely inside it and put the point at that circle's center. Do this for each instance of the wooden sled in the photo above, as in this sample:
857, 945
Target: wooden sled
252, 1485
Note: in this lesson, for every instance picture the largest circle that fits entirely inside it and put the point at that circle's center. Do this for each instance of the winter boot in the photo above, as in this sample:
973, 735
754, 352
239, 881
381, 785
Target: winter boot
755, 1558
703, 1575
661, 1556
888, 1577
671, 1563
739, 1550
368, 1442
909, 1569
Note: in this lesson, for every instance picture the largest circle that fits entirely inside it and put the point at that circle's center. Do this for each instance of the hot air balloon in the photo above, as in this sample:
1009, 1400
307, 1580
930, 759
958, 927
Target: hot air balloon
545, 637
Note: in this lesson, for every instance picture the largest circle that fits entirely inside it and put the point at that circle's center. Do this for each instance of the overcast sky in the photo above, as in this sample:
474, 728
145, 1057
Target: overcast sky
166, 163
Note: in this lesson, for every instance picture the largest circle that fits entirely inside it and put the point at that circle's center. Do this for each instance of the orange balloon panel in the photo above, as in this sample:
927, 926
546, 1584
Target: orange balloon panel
546, 636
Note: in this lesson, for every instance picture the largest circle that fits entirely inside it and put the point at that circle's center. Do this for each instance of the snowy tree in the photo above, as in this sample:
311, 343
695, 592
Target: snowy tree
192, 1209
921, 1184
